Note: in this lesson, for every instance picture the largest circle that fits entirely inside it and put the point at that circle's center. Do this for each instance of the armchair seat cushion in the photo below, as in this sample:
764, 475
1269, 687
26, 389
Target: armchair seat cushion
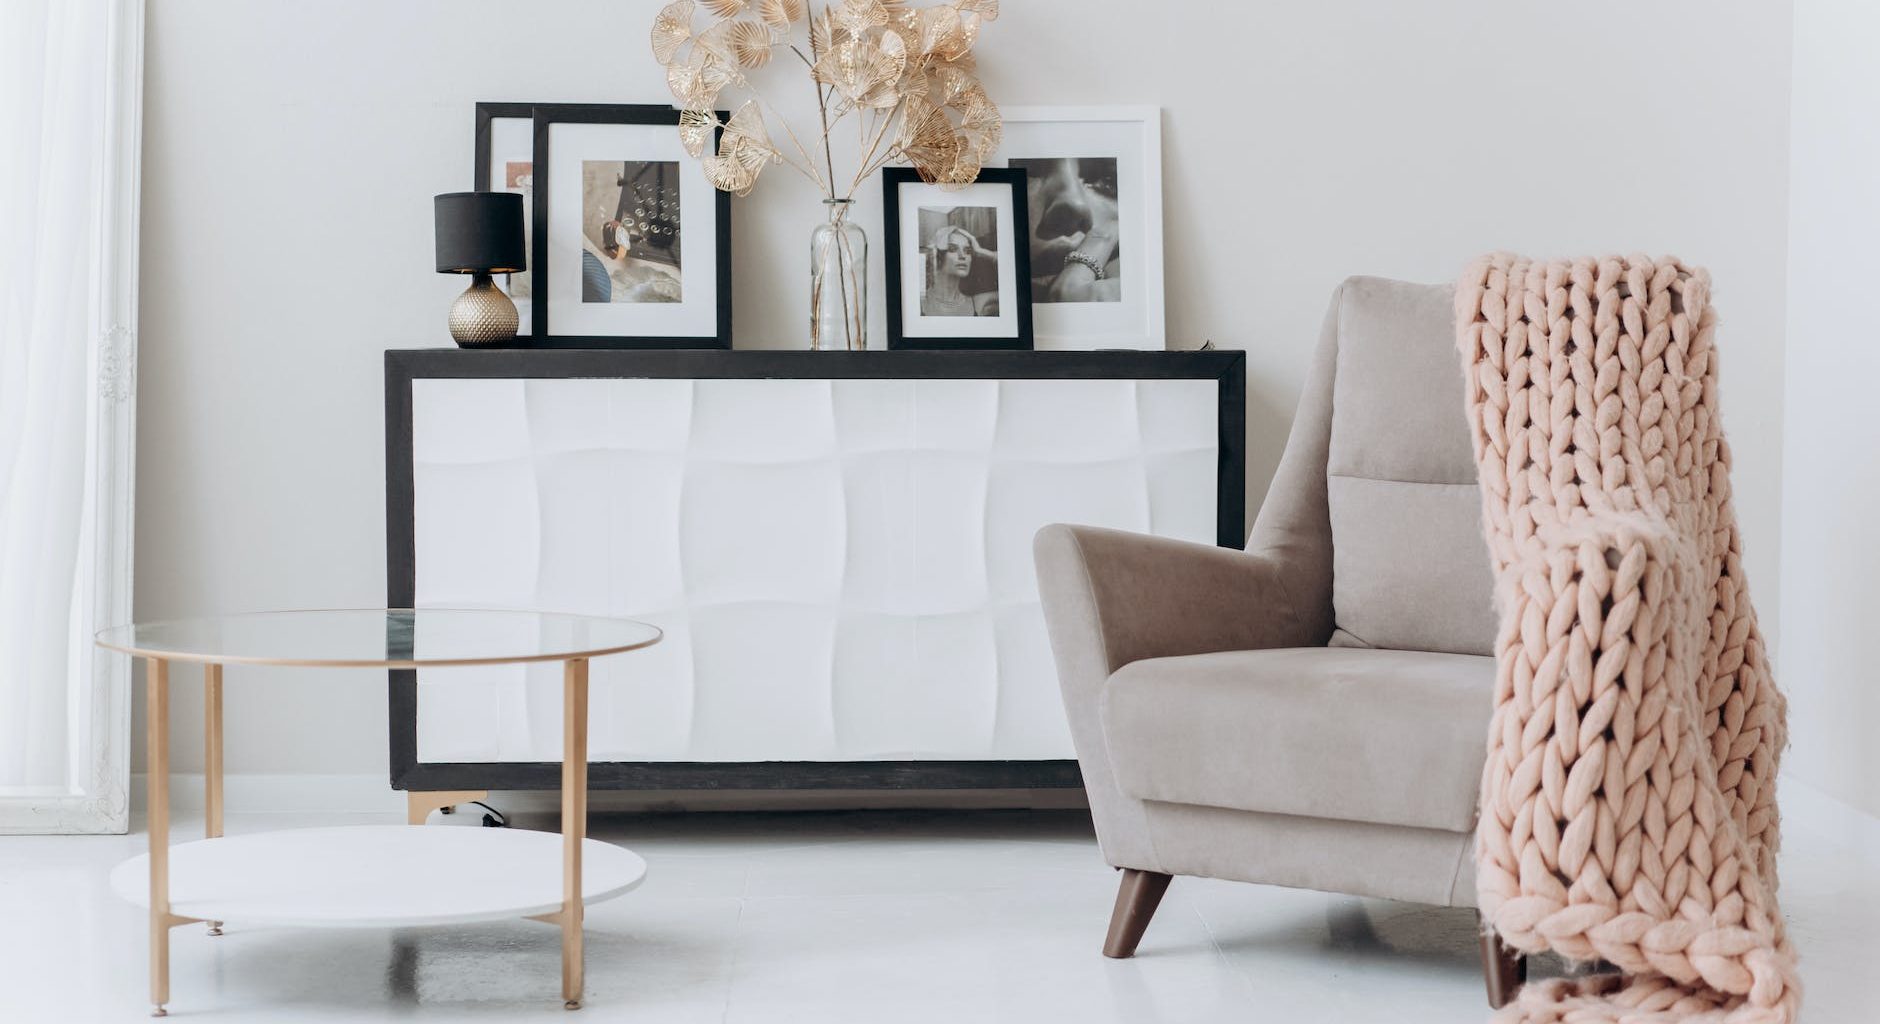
1353, 734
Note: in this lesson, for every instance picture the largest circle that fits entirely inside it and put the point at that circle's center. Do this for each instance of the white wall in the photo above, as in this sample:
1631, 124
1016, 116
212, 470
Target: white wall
1831, 478
292, 150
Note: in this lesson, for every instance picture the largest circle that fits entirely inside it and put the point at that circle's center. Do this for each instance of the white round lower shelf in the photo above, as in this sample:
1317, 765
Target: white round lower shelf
377, 876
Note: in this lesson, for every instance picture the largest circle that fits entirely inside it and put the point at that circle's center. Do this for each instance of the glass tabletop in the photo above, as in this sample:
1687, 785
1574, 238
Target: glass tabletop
381, 637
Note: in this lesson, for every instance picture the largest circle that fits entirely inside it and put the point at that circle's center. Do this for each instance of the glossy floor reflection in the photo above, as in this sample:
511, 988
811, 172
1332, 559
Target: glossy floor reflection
857, 917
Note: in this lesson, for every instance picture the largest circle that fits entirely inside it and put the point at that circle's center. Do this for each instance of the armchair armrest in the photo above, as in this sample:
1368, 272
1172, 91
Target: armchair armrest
1112, 597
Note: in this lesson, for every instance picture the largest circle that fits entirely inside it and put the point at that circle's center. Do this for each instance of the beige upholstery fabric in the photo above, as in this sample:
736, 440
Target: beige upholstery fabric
1386, 861
1409, 569
1385, 737
1121, 608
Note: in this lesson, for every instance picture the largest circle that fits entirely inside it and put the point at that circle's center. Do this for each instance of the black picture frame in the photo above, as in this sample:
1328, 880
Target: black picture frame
1226, 367
892, 181
486, 113
546, 114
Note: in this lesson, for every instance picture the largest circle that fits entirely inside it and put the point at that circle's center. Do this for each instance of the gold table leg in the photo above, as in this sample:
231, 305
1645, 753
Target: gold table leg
157, 779
574, 771
212, 759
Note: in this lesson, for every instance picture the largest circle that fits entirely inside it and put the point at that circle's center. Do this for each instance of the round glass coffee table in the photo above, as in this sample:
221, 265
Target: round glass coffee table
371, 875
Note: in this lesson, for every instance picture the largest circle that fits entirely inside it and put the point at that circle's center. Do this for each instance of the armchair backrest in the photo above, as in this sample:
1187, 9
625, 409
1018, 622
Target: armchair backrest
1374, 511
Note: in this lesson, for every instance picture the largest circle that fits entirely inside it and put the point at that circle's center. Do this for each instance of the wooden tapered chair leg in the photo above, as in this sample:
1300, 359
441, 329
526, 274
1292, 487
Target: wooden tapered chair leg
1136, 900
1503, 969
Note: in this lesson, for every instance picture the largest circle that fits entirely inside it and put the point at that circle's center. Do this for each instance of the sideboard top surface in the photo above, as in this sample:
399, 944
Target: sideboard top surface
405, 364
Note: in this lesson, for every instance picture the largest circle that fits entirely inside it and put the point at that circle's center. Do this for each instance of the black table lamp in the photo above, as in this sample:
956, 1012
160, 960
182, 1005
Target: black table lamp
480, 233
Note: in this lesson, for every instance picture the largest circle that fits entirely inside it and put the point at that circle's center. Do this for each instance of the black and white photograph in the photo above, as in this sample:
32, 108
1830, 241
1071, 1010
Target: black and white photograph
1075, 256
630, 216
955, 277
632, 243
962, 260
1093, 178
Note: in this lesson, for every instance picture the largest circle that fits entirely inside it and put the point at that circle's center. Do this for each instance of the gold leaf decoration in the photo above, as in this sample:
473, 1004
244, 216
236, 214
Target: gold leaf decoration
781, 14
749, 42
965, 165
671, 28
951, 83
890, 62
959, 38
824, 33
927, 139
863, 70
727, 175
696, 128
746, 130
697, 80
858, 16
980, 119
910, 62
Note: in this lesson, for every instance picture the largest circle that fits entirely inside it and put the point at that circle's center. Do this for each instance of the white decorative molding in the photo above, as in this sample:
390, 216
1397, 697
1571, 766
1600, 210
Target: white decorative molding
842, 567
117, 363
98, 702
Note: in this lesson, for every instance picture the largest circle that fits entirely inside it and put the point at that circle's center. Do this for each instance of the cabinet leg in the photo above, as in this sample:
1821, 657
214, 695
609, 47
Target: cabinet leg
212, 759
574, 771
157, 781
419, 805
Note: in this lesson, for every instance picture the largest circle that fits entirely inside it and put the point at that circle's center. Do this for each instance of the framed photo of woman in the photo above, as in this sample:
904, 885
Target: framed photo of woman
505, 141
1093, 178
958, 272
631, 244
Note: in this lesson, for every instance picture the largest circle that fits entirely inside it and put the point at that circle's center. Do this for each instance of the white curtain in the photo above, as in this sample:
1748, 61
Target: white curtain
56, 157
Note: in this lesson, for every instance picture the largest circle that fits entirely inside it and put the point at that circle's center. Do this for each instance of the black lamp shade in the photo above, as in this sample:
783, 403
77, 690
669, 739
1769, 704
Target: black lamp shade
479, 233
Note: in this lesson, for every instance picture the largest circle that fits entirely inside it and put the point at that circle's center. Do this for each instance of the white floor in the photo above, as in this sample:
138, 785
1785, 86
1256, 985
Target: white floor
867, 917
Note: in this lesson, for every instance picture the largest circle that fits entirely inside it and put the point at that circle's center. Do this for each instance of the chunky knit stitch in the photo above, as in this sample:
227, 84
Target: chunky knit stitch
1628, 803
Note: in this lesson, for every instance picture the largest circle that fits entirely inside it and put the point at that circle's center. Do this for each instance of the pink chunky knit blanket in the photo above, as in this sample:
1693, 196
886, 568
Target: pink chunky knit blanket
1628, 804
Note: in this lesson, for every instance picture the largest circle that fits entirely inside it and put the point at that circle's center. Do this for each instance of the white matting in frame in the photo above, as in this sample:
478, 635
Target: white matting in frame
1131, 136
512, 142
571, 145
910, 199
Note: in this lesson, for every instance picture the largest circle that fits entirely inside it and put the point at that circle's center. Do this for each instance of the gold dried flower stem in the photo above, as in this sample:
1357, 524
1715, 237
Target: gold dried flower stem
905, 72
869, 164
808, 167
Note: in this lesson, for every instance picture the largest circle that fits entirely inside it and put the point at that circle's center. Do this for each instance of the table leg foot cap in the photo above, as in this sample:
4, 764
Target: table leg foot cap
572, 1004
158, 1011
215, 929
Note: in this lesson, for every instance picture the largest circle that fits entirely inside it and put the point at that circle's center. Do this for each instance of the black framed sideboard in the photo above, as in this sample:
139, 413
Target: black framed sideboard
837, 545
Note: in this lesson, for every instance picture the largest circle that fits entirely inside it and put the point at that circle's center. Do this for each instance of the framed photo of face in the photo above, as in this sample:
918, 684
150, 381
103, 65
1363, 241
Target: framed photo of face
631, 245
1094, 231
505, 163
958, 272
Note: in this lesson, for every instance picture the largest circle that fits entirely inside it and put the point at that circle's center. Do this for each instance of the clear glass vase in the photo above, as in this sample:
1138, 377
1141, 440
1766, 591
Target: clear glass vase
838, 282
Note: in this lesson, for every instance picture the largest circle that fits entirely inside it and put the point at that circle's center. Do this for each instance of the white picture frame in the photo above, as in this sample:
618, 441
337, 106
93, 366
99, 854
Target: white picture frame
1130, 136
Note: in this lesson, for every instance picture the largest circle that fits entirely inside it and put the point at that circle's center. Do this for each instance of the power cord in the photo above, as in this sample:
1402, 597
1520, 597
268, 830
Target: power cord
492, 818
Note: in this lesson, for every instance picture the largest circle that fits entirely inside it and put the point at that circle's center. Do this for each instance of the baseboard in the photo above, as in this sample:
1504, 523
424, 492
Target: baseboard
287, 794
366, 794
1807, 805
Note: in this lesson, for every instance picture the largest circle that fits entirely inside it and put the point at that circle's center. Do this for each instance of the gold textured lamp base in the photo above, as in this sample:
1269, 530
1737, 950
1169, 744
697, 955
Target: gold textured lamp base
483, 317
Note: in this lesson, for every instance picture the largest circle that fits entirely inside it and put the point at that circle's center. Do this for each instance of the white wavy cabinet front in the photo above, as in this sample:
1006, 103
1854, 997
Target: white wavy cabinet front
842, 567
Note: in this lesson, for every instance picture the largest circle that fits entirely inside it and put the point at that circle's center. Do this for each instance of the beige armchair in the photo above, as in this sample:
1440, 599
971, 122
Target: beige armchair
1311, 712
